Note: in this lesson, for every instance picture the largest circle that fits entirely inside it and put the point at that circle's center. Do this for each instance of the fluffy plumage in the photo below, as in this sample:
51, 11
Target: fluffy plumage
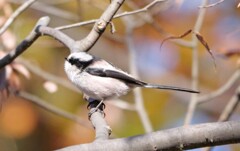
100, 80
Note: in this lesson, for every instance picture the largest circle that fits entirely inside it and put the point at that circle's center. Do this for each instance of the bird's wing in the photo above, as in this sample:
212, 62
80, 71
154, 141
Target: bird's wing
115, 74
130, 80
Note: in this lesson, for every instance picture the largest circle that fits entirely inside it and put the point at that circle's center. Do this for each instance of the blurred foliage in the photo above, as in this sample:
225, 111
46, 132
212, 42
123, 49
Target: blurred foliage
26, 127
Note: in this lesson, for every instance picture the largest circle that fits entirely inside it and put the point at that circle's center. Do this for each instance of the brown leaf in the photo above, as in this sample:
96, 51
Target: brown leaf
176, 37
204, 43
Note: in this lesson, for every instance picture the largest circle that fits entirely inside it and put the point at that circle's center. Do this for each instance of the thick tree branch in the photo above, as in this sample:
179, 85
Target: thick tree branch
27, 42
99, 27
182, 138
228, 110
96, 116
82, 45
58, 35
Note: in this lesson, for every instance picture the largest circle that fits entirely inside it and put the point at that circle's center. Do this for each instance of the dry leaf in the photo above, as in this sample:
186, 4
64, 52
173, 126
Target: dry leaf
204, 43
175, 37
199, 37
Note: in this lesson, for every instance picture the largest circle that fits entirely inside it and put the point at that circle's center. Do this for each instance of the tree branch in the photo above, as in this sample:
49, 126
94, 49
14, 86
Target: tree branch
99, 27
182, 138
27, 42
58, 35
48, 76
211, 5
16, 13
96, 116
138, 98
195, 65
41, 103
228, 110
230, 107
232, 80
144, 9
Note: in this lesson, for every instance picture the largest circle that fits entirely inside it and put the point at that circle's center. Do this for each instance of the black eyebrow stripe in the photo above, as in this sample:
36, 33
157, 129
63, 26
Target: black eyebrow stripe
80, 64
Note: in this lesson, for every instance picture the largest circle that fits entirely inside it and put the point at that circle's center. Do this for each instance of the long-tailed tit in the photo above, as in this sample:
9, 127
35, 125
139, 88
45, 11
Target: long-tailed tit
100, 80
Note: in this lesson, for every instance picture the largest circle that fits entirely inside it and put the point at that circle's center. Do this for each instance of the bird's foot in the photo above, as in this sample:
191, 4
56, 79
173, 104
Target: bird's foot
95, 106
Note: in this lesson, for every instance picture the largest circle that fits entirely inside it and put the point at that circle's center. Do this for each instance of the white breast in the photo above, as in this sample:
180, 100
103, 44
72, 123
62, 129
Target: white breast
94, 86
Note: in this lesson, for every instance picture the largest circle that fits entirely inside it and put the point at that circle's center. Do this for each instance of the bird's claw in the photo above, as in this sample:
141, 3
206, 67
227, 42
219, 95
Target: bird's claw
96, 106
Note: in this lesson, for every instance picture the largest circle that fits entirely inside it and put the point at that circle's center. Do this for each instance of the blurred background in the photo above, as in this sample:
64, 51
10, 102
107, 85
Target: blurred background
25, 126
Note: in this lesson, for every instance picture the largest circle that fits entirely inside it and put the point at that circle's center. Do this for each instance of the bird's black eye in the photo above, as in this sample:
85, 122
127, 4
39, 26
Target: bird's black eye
73, 61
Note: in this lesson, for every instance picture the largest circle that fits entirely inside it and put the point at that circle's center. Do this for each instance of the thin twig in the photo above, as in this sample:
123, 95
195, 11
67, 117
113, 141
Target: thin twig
230, 107
228, 110
144, 9
16, 13
211, 5
133, 70
51, 10
221, 90
150, 21
195, 62
41, 103
48, 76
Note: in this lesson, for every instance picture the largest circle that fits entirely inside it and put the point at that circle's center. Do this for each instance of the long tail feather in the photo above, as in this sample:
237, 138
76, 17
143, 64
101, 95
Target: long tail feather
155, 86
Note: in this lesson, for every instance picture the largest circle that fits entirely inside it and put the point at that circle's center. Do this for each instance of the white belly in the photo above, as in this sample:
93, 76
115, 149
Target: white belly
100, 87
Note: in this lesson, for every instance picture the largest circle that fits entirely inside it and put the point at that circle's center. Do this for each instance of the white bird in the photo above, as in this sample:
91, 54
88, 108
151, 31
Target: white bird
100, 80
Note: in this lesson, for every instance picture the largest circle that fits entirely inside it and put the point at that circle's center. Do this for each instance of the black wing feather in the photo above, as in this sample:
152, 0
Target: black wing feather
128, 79
114, 74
